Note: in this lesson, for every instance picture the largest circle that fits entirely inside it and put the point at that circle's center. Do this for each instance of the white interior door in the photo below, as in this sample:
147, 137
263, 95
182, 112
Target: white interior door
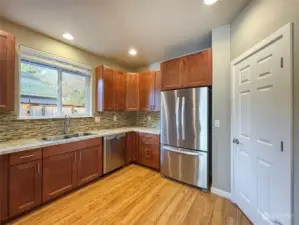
262, 128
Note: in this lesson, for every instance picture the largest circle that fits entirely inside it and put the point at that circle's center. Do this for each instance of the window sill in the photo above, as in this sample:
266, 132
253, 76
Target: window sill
50, 118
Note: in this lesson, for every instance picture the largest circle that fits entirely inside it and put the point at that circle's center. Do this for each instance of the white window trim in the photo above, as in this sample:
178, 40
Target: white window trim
87, 71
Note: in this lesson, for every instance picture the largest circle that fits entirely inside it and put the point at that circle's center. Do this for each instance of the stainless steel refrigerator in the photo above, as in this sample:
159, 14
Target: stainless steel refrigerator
185, 135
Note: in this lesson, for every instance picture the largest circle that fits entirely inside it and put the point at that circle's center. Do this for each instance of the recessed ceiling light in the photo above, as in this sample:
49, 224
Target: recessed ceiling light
132, 51
68, 36
210, 2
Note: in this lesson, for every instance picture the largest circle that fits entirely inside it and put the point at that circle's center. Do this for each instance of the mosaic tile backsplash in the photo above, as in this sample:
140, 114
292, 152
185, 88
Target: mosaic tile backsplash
11, 128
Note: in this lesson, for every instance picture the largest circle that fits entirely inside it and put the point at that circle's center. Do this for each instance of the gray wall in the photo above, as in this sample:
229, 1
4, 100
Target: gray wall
257, 21
221, 108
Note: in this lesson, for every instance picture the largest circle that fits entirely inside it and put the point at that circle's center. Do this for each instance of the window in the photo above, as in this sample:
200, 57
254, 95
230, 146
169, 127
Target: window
53, 87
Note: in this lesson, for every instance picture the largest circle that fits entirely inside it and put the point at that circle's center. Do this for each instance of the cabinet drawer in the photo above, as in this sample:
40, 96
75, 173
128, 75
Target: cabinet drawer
25, 156
149, 155
148, 139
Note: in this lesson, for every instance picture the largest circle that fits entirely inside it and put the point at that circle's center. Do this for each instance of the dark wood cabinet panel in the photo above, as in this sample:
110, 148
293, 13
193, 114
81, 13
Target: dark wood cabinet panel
198, 69
119, 90
131, 148
157, 91
104, 88
59, 175
89, 164
149, 150
171, 74
132, 92
4, 167
146, 91
24, 187
7, 71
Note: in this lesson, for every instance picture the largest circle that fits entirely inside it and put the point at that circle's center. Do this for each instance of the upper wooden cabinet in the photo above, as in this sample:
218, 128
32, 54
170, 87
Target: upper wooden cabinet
171, 74
197, 69
132, 98
193, 70
104, 88
111, 89
119, 90
157, 91
7, 71
147, 91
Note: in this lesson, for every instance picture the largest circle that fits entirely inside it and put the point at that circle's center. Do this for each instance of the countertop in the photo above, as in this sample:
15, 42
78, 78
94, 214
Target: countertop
34, 143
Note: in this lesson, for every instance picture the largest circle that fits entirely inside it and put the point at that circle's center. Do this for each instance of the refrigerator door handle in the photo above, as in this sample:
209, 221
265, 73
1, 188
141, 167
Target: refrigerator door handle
186, 152
183, 118
177, 105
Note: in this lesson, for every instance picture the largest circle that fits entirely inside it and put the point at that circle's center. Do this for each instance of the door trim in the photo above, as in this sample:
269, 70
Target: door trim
286, 32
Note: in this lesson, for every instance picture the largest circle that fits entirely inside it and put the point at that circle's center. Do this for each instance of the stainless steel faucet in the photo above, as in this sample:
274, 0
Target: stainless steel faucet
66, 124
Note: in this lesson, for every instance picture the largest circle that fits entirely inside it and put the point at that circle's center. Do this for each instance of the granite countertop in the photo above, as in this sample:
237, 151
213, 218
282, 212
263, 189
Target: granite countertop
34, 143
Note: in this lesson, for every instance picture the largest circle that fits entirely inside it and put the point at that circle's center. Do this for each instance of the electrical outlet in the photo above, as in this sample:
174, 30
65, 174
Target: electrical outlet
114, 118
217, 123
97, 119
149, 118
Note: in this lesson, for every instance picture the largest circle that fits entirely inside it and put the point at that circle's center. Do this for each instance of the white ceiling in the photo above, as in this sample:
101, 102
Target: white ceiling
158, 29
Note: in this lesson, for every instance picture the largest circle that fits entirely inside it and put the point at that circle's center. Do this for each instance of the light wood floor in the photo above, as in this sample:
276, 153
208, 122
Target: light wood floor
136, 195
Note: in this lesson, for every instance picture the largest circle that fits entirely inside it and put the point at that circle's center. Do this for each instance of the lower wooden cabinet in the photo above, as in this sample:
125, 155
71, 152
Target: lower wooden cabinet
4, 163
131, 154
59, 175
149, 150
90, 164
24, 187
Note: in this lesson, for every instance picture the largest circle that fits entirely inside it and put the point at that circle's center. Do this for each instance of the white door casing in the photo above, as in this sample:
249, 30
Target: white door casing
262, 122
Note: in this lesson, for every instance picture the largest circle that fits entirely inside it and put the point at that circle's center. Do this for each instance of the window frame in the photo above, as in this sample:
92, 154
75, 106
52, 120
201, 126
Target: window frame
60, 70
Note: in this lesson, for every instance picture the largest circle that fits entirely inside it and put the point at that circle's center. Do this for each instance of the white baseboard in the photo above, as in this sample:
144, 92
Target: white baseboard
221, 193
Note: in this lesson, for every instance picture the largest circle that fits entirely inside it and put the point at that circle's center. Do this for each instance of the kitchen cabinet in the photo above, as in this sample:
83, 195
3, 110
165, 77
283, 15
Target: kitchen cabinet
132, 97
198, 69
157, 91
131, 154
104, 89
4, 167
24, 187
59, 175
194, 70
119, 90
171, 74
149, 150
147, 91
89, 164
7, 71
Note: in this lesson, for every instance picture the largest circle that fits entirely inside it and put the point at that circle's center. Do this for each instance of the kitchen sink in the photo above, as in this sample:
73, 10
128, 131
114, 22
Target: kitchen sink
67, 136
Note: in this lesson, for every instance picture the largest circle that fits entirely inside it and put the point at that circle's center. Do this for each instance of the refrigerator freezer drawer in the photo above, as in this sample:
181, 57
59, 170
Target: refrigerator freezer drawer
185, 165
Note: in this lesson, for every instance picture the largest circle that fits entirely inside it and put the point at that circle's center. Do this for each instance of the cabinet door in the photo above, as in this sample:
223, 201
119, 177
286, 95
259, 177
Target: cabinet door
119, 90
7, 71
198, 69
89, 164
132, 92
157, 91
4, 162
24, 187
171, 77
146, 91
131, 148
59, 175
104, 88
149, 152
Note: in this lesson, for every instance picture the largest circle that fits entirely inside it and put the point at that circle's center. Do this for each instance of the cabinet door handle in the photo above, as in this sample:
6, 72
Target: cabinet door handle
27, 156
38, 168
80, 156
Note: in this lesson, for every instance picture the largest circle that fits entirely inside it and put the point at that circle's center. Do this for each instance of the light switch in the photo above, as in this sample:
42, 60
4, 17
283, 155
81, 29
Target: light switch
149, 118
217, 123
115, 118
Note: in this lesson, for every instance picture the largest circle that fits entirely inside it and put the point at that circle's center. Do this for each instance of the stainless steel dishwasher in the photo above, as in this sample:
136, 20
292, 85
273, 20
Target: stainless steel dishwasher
114, 152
